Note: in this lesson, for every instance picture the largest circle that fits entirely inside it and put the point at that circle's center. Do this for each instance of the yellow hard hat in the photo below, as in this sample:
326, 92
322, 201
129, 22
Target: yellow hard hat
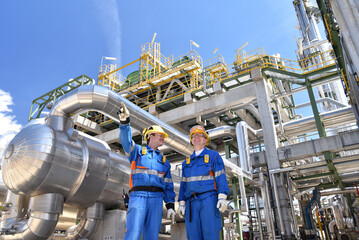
153, 129
198, 129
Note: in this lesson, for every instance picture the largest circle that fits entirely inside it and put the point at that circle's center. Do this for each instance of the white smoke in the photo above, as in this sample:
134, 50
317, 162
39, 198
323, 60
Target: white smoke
108, 15
8, 125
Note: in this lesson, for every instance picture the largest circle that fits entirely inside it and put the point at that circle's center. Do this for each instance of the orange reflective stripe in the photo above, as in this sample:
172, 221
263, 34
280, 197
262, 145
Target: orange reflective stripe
133, 167
211, 173
142, 167
161, 172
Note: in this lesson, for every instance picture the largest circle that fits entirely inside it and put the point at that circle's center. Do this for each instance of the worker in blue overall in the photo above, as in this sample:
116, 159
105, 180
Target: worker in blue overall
203, 189
150, 181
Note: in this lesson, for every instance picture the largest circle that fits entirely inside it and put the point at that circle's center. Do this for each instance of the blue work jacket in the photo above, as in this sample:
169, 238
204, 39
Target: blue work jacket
201, 174
148, 167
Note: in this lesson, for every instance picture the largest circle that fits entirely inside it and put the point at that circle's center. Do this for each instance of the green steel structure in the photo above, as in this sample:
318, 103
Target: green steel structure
39, 104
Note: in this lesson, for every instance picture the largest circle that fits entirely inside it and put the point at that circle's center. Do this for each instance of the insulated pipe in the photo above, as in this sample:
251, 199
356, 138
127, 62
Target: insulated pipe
304, 88
320, 100
253, 110
222, 131
101, 99
330, 119
338, 215
14, 209
281, 224
347, 16
342, 168
281, 89
90, 219
258, 214
243, 147
331, 226
225, 131
267, 208
242, 188
296, 229
44, 214
336, 192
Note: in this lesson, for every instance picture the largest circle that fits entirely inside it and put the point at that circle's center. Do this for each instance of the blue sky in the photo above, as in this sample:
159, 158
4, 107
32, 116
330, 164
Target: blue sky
46, 43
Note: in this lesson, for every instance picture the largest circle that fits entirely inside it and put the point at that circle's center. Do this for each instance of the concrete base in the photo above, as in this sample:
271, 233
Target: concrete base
178, 231
113, 226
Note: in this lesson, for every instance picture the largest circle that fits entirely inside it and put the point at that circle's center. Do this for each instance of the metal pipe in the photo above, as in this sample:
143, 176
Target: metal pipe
90, 218
279, 115
222, 131
236, 203
331, 226
346, 13
281, 89
336, 192
44, 214
244, 204
320, 100
300, 89
326, 117
316, 44
259, 217
276, 196
267, 209
231, 212
338, 215
101, 99
330, 119
342, 168
253, 110
243, 147
228, 131
295, 227
14, 209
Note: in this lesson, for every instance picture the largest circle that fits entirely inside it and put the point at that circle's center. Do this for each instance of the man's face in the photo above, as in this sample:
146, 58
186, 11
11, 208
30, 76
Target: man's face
199, 140
157, 139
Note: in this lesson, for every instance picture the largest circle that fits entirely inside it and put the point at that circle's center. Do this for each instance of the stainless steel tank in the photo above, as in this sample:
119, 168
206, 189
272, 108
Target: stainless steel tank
84, 170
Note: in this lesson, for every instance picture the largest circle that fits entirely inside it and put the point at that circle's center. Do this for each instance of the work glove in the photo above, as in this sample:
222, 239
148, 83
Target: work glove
222, 203
181, 209
171, 214
170, 211
124, 114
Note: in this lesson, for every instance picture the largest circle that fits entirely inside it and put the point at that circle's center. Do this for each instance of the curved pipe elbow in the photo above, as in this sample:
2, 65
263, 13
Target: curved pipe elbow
88, 224
92, 97
44, 214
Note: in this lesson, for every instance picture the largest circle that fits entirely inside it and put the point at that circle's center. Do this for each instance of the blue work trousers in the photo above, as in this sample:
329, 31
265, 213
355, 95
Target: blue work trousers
144, 216
206, 219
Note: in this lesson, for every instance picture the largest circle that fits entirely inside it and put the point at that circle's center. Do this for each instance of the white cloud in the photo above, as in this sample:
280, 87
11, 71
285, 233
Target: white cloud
8, 125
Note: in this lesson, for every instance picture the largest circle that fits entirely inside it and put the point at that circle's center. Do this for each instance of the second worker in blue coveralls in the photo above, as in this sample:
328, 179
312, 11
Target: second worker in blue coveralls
203, 189
150, 181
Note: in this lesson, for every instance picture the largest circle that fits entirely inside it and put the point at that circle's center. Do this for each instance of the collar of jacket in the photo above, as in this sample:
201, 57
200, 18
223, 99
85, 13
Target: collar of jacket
205, 150
151, 150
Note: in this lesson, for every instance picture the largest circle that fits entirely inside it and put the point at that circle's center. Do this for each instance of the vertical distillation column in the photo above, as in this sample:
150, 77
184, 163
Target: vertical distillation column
346, 13
308, 15
283, 219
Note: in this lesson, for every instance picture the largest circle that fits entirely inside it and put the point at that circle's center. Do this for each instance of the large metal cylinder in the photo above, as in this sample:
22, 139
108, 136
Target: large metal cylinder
41, 160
